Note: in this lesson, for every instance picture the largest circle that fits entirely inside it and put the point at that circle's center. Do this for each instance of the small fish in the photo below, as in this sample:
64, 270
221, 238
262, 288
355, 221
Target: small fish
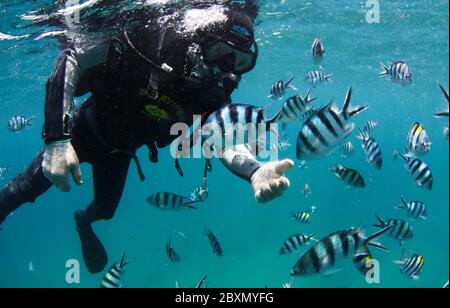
325, 130
444, 113
202, 283
295, 108
113, 278
4, 172
169, 201
279, 88
180, 234
420, 171
361, 260
316, 77
414, 209
445, 132
216, 247
370, 127
307, 190
417, 141
349, 176
317, 50
302, 217
347, 149
371, 149
398, 72
411, 267
31, 267
294, 242
171, 253
400, 231
19, 123
341, 244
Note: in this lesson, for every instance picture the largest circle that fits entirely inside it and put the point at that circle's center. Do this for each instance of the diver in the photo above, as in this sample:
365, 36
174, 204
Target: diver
141, 82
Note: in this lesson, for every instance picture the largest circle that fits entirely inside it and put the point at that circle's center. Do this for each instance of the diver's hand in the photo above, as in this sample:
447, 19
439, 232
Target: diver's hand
268, 181
59, 160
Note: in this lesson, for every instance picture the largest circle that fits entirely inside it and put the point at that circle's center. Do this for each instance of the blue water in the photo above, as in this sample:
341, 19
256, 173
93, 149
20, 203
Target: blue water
250, 233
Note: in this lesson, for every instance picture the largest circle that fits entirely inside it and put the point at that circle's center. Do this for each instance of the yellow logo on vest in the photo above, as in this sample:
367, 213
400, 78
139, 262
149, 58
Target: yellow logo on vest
156, 113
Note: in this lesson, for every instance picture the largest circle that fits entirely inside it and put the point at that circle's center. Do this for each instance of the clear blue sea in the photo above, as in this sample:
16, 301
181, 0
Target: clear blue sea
251, 234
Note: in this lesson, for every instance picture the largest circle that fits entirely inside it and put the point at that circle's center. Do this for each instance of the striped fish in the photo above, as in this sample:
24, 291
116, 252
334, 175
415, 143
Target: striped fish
18, 123
420, 172
444, 113
371, 149
317, 77
370, 127
173, 256
228, 118
414, 209
349, 176
295, 241
170, 202
397, 71
217, 249
113, 278
317, 50
361, 259
400, 231
342, 244
279, 88
295, 108
417, 141
347, 149
302, 217
324, 130
411, 267
3, 172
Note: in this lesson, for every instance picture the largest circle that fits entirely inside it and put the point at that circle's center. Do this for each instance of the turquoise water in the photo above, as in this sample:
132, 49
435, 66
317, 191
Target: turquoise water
250, 233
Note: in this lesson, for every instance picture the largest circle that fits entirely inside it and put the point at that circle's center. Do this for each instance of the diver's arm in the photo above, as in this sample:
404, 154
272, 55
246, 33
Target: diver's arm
267, 179
60, 158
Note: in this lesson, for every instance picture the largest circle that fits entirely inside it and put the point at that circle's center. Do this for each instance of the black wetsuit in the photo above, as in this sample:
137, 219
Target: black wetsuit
119, 115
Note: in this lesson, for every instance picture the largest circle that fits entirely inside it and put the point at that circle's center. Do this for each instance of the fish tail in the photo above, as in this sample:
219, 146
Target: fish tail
328, 77
362, 135
381, 222
312, 237
289, 81
445, 92
385, 70
334, 168
308, 98
123, 261
350, 111
370, 240
28, 120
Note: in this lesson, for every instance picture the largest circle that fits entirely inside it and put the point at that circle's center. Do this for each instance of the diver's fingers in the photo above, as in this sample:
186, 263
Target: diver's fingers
284, 165
76, 174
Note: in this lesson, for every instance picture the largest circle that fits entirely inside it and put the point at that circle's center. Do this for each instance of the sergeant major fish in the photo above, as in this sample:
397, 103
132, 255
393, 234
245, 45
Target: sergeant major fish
215, 245
371, 149
361, 260
349, 176
295, 108
295, 241
113, 278
19, 123
324, 130
414, 209
317, 77
303, 217
411, 267
417, 140
341, 244
370, 127
173, 256
279, 88
317, 50
420, 171
398, 72
400, 231
347, 149
170, 202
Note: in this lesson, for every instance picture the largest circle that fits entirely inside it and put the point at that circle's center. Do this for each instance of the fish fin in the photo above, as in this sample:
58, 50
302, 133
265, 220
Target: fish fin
292, 87
445, 92
308, 98
202, 282
190, 206
381, 222
328, 77
385, 70
378, 246
415, 277
349, 129
363, 135
123, 262
443, 114
289, 81
350, 111
28, 120
398, 261
332, 272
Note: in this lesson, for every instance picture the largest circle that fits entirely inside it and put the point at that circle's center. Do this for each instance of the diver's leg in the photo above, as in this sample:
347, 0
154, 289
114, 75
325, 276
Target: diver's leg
25, 187
109, 181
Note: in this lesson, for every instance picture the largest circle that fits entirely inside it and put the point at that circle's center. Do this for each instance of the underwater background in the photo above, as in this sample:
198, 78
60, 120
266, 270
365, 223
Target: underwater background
43, 234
